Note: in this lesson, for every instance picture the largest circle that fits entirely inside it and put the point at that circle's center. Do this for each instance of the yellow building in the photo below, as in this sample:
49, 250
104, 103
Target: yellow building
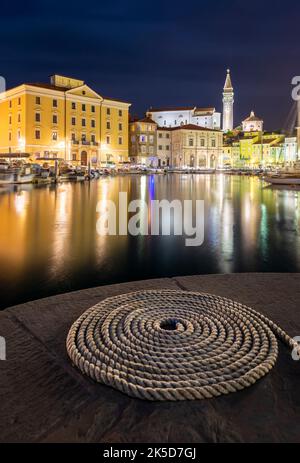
64, 120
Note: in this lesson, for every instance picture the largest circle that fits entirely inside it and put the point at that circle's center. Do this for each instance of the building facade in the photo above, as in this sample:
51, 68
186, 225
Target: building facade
176, 117
164, 147
228, 100
290, 151
143, 142
253, 123
196, 147
65, 120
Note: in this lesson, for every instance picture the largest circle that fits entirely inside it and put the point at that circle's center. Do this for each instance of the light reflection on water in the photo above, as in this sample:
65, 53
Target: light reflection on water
49, 244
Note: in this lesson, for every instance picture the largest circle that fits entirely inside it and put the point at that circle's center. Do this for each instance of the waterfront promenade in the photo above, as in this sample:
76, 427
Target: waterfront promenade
44, 399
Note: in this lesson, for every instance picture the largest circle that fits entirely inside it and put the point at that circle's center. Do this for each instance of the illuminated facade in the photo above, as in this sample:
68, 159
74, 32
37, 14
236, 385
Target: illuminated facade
198, 147
228, 100
143, 142
64, 120
253, 123
176, 117
164, 147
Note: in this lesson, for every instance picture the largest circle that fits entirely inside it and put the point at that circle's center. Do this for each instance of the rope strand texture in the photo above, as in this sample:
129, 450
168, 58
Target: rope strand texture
174, 345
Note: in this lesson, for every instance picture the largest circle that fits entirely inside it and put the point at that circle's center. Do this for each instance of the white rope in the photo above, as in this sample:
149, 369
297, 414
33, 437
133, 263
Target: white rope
174, 345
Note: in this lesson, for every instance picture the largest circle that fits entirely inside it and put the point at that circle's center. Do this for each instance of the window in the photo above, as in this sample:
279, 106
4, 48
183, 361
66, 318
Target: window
73, 105
73, 156
120, 112
19, 135
93, 123
73, 136
202, 142
167, 135
73, 120
9, 120
160, 147
191, 142
54, 103
19, 100
151, 149
120, 140
9, 136
83, 107
54, 119
83, 122
37, 100
37, 117
37, 134
83, 137
160, 135
143, 149
108, 111
54, 136
167, 147
120, 126
213, 143
143, 139
10, 104
108, 140
108, 125
151, 139
93, 109
93, 139
165, 122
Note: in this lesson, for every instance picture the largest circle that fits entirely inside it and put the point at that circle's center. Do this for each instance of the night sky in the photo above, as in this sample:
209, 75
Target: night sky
158, 53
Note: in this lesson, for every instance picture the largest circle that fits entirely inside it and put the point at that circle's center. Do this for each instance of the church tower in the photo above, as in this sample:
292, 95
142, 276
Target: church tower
228, 100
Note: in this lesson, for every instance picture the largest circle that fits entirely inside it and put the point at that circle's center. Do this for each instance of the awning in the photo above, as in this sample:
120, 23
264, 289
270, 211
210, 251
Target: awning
14, 155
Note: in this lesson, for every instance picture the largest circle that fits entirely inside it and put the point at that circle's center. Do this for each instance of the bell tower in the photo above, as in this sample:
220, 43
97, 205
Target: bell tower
228, 100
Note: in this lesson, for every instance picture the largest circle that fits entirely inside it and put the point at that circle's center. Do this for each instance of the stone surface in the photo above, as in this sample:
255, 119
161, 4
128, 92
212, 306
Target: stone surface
44, 399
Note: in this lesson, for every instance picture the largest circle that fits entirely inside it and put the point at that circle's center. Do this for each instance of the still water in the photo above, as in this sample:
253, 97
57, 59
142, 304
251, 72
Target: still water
49, 243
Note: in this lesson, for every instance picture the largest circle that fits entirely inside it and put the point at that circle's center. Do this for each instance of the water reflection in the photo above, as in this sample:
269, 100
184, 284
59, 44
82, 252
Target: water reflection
49, 244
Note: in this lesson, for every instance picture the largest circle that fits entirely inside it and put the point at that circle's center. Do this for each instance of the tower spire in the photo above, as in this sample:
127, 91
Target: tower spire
228, 100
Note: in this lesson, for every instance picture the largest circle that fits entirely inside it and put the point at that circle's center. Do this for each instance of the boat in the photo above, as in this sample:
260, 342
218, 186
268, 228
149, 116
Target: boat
282, 180
16, 175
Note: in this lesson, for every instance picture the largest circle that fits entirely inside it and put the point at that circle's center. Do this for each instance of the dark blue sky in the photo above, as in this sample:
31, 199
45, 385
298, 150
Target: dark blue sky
160, 52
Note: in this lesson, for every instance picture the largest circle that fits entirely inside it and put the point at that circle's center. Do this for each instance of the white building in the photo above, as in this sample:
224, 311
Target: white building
290, 150
228, 100
253, 123
176, 117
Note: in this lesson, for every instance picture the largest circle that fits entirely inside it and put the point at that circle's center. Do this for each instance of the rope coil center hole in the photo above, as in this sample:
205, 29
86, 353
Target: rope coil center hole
170, 324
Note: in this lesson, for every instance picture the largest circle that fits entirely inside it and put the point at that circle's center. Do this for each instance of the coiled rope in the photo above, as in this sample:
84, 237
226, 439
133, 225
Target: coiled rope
174, 345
